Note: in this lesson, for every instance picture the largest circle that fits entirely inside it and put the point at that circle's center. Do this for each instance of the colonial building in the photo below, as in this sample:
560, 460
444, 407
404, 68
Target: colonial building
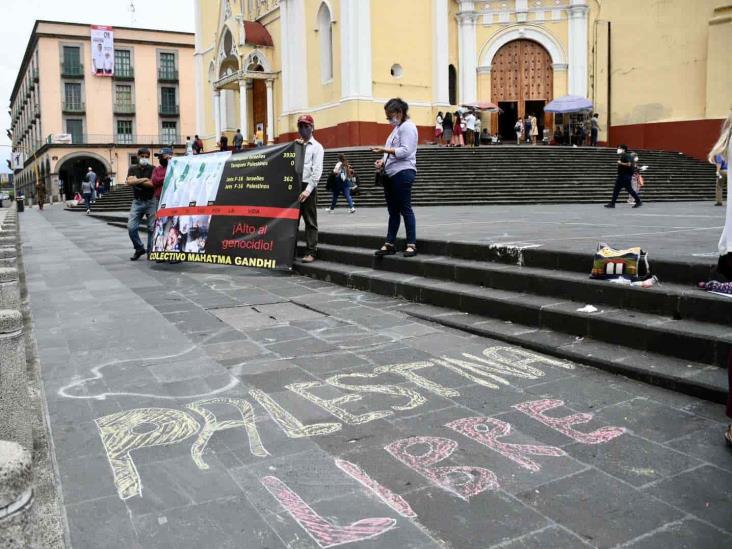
658, 71
68, 113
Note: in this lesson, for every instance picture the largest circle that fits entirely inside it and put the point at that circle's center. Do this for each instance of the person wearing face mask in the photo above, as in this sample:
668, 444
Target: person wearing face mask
312, 170
399, 162
625, 178
139, 177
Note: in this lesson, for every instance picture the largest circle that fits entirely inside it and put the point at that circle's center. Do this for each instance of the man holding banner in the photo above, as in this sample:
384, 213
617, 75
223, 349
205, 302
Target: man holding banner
312, 170
139, 177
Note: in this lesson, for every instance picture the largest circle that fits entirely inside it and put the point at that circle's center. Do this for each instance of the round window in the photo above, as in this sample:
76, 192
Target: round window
396, 70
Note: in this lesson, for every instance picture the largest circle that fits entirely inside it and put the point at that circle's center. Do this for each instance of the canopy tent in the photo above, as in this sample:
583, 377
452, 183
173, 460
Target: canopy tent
569, 104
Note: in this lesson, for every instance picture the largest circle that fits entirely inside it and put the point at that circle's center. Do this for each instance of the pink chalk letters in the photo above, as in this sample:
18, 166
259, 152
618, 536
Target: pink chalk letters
462, 481
536, 409
487, 431
325, 533
395, 501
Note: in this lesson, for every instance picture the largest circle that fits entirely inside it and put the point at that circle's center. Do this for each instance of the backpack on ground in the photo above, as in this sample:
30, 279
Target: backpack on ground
631, 263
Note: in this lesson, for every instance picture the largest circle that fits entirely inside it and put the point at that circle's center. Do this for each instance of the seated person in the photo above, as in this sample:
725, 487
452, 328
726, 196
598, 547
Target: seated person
485, 137
558, 136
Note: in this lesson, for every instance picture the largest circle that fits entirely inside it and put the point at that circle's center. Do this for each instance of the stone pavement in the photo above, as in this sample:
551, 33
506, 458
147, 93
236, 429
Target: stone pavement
681, 231
200, 406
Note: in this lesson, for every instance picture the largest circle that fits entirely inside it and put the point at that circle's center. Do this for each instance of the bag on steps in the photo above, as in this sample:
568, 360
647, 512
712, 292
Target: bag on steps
631, 263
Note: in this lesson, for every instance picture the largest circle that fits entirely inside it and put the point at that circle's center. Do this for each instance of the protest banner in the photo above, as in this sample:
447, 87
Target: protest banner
230, 209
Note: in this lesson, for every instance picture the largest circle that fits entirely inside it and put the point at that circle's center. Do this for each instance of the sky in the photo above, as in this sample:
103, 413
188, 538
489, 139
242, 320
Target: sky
20, 15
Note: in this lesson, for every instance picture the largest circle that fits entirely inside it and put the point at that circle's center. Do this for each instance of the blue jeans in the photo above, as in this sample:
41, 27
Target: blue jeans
87, 200
139, 209
398, 193
342, 187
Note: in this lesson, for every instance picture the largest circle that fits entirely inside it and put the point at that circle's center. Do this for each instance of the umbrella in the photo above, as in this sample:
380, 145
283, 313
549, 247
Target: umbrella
569, 103
482, 106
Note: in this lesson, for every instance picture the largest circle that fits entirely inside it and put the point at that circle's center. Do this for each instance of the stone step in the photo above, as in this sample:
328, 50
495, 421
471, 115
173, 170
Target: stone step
671, 300
692, 378
681, 339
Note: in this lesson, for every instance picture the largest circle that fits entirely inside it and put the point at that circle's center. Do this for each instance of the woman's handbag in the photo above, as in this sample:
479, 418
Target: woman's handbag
382, 180
330, 182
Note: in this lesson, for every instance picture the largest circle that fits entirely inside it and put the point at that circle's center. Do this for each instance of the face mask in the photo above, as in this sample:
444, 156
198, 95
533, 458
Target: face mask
163, 162
144, 161
306, 132
620, 151
394, 121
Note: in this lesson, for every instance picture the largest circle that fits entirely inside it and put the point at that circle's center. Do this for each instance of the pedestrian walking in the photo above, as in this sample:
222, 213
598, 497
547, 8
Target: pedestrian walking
476, 132
439, 129
720, 162
518, 127
238, 140
399, 168
106, 184
312, 170
458, 129
223, 143
342, 184
527, 129
534, 128
594, 129
447, 126
91, 176
87, 191
197, 145
637, 182
139, 177
259, 136
625, 178
469, 129
41, 193
189, 146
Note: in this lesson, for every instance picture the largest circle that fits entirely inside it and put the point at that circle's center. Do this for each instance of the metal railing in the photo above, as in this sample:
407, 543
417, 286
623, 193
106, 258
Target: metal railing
121, 139
75, 70
167, 75
73, 106
169, 110
124, 107
125, 73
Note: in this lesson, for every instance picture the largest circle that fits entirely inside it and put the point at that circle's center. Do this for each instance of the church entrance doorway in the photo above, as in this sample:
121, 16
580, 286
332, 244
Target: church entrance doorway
521, 75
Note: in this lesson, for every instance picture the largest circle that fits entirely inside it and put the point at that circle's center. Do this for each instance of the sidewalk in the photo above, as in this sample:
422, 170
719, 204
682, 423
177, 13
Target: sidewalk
200, 406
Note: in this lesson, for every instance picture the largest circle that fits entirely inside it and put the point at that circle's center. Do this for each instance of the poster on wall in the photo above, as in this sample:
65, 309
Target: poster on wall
230, 209
102, 54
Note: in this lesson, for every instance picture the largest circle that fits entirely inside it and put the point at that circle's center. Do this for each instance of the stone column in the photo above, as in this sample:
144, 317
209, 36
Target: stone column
16, 495
440, 49
270, 112
468, 55
356, 73
243, 111
217, 113
578, 46
293, 56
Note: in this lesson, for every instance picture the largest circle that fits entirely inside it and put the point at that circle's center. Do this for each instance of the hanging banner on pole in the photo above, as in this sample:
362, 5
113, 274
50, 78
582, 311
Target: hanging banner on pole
230, 209
102, 54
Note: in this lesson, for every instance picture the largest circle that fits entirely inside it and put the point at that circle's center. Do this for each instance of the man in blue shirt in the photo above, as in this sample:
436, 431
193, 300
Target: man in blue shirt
721, 165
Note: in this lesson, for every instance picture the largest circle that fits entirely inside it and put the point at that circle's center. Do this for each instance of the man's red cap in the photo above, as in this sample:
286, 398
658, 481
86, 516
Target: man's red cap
306, 119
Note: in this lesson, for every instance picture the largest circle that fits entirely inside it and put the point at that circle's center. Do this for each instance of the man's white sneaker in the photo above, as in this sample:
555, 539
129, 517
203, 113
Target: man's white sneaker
330, 210
352, 211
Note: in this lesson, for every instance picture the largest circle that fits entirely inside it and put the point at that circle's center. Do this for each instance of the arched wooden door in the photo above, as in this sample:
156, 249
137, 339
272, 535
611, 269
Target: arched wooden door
522, 78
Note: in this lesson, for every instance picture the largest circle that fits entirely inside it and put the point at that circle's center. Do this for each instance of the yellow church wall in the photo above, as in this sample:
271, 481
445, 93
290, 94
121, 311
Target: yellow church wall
659, 70
320, 91
719, 67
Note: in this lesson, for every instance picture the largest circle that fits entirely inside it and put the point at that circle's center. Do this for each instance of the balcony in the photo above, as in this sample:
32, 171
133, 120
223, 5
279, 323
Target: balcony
124, 107
124, 73
72, 70
167, 75
121, 139
35, 75
73, 107
169, 110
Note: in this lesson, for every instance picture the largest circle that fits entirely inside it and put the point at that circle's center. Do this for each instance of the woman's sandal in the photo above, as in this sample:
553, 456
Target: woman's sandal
411, 251
386, 249
728, 435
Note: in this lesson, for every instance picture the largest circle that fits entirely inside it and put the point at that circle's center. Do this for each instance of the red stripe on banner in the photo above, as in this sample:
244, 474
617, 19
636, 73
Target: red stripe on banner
232, 211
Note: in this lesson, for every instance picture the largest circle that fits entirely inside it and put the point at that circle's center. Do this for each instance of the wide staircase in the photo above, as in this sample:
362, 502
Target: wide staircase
509, 174
673, 334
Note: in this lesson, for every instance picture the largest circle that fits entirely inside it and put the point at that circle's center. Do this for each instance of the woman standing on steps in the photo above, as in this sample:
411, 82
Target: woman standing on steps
398, 166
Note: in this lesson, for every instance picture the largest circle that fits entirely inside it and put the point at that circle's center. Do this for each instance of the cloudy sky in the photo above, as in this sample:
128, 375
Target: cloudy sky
20, 15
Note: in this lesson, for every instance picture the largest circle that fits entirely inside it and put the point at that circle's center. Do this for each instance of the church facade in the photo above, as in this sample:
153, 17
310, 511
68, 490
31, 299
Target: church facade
657, 71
